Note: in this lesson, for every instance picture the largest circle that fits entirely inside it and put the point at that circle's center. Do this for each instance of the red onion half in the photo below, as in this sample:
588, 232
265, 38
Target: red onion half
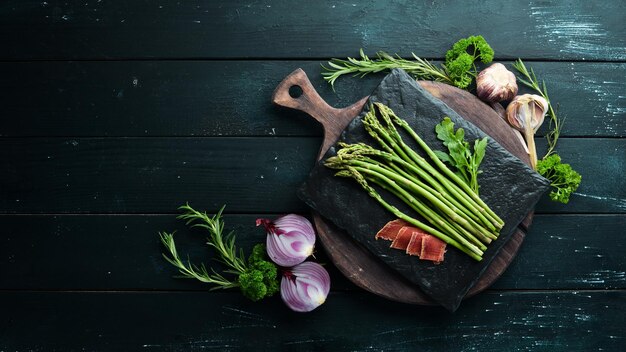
305, 286
290, 239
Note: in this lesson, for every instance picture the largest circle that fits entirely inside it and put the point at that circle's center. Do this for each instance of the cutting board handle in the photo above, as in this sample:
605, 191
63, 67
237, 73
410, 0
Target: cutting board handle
297, 92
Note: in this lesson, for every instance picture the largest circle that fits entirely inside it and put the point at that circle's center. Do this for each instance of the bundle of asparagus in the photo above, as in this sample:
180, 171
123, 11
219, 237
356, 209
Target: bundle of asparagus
452, 211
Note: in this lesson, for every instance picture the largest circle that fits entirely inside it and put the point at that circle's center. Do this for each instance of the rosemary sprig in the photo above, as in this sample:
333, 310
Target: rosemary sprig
555, 124
225, 245
419, 68
257, 277
190, 271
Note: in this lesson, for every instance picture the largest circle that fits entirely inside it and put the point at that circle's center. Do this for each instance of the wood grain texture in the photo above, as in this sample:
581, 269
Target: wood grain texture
122, 252
153, 174
130, 175
569, 251
600, 186
115, 252
579, 321
230, 98
334, 120
119, 87
203, 29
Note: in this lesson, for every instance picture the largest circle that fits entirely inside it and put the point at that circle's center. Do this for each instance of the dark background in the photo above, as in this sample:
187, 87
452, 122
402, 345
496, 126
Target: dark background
114, 114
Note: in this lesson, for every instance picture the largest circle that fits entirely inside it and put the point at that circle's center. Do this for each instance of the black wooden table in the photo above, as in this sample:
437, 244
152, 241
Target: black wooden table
114, 114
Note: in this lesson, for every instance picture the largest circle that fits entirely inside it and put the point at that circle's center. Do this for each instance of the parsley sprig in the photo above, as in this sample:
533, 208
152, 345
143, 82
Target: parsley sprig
563, 179
461, 59
460, 153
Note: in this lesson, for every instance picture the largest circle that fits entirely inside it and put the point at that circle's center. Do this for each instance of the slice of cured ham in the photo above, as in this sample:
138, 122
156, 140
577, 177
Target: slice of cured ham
391, 229
403, 238
433, 249
412, 240
415, 245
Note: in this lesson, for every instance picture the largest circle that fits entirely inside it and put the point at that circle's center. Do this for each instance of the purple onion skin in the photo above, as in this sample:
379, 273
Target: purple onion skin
305, 286
290, 239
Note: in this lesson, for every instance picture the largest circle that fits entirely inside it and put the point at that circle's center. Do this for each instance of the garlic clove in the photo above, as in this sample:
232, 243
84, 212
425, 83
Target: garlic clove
520, 107
526, 113
495, 84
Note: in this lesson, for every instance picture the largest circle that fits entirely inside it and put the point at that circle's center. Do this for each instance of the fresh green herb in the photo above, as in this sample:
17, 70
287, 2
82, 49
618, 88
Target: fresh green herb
530, 80
257, 277
460, 64
458, 70
451, 210
563, 179
459, 152
260, 280
419, 68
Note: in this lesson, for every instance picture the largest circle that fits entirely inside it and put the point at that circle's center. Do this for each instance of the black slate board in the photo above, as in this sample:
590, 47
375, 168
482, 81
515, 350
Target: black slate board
508, 186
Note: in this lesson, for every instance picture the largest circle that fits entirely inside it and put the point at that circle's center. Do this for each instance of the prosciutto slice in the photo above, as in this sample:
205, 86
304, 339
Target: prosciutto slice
391, 229
433, 249
403, 238
412, 240
415, 245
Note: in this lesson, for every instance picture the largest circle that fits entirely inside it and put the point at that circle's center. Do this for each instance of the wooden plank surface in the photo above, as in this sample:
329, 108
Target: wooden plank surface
570, 251
215, 98
576, 29
123, 252
537, 321
152, 175
115, 113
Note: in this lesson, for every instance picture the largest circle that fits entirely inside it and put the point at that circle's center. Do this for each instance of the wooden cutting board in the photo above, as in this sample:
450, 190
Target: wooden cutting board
353, 260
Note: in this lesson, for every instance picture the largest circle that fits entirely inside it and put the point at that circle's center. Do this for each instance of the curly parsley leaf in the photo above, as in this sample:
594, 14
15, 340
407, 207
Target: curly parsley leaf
563, 179
460, 60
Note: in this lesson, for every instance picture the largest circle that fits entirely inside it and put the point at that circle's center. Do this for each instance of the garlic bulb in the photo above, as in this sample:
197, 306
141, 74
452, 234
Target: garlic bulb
526, 114
495, 84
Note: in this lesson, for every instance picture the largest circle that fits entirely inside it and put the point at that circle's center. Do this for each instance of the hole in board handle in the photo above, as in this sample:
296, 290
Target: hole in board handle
295, 91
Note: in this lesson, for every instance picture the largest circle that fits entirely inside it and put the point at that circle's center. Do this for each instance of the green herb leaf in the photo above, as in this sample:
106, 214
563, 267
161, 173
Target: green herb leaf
459, 69
480, 146
443, 156
563, 179
459, 152
360, 67
460, 60
457, 147
190, 271
257, 277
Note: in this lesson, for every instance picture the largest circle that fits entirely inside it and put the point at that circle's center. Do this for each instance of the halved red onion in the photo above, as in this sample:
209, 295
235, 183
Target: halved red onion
305, 286
290, 239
